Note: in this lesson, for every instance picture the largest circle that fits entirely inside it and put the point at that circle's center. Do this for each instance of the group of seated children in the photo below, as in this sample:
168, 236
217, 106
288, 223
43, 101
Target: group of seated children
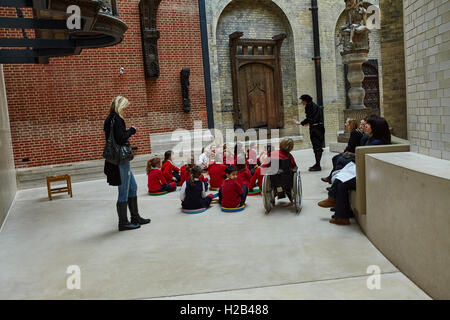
233, 176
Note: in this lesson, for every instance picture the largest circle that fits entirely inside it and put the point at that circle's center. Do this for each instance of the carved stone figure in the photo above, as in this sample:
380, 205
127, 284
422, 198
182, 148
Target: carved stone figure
355, 33
150, 36
185, 73
355, 40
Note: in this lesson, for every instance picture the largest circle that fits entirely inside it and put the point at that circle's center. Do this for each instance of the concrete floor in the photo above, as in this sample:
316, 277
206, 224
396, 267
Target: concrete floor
214, 255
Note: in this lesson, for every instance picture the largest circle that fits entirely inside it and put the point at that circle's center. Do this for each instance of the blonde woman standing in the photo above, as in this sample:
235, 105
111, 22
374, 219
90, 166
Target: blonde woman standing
121, 175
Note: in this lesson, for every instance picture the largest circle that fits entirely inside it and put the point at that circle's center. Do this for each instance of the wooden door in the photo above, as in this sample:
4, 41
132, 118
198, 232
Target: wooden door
257, 82
257, 96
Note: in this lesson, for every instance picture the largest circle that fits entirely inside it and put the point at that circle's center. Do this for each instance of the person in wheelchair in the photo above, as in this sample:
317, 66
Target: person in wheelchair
281, 172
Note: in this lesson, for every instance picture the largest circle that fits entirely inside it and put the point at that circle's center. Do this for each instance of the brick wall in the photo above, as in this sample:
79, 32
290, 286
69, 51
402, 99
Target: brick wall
393, 54
427, 38
57, 110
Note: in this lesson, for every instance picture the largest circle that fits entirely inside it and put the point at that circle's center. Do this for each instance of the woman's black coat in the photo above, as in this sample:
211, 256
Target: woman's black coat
354, 141
121, 136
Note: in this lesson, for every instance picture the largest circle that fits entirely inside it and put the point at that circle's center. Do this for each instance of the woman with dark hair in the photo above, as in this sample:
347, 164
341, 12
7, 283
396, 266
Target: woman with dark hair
338, 197
121, 175
378, 131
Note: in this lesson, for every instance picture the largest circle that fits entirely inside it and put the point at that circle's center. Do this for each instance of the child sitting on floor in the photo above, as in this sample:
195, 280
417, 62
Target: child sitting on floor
169, 170
156, 180
193, 191
232, 194
257, 176
216, 172
244, 175
252, 157
186, 172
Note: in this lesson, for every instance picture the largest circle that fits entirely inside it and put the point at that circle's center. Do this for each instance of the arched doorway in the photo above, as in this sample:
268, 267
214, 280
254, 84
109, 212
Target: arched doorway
257, 81
257, 20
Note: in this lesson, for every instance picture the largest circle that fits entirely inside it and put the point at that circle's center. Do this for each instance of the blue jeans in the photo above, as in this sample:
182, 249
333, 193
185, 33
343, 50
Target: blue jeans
128, 188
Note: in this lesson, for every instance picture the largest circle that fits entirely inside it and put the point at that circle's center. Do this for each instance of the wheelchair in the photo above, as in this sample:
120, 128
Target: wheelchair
284, 183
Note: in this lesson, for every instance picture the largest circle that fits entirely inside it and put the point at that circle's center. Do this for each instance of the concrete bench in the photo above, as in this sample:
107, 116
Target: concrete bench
358, 197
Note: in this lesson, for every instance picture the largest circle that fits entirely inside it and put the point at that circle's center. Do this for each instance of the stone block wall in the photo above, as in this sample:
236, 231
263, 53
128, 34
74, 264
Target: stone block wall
7, 172
393, 56
298, 18
256, 22
427, 47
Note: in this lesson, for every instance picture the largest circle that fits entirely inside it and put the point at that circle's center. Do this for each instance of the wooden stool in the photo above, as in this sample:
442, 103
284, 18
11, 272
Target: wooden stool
64, 177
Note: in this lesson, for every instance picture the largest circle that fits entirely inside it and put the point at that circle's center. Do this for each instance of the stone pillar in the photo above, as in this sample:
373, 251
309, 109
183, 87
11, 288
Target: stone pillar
355, 77
355, 51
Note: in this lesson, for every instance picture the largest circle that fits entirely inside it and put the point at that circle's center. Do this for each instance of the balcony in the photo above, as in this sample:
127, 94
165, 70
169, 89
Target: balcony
99, 26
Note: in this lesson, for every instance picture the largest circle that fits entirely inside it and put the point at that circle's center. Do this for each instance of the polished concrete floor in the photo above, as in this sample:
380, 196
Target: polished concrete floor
213, 255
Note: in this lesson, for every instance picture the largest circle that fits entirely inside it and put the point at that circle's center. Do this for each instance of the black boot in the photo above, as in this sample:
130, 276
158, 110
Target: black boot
135, 217
124, 224
317, 167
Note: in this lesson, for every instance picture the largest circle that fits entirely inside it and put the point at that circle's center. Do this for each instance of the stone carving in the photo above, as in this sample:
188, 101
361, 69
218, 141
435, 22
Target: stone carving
355, 33
150, 36
108, 7
355, 42
185, 73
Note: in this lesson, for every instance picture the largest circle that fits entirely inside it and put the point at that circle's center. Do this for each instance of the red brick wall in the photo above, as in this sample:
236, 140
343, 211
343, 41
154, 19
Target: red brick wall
57, 110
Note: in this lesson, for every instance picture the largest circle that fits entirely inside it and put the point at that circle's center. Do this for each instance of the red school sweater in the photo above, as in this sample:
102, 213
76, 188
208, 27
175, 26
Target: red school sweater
244, 177
257, 176
185, 176
231, 193
168, 169
155, 180
217, 174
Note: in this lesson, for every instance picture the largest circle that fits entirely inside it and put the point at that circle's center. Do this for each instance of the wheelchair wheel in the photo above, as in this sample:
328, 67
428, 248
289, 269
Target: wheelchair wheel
267, 194
297, 192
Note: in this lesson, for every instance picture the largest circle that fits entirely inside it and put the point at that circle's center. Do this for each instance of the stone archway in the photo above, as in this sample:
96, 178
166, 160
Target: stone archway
262, 22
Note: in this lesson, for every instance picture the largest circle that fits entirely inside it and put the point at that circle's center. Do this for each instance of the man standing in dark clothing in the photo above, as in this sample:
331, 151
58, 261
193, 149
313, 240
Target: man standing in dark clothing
314, 119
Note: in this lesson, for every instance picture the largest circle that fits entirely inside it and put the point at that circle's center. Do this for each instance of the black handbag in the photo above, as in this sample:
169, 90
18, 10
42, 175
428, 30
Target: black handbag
115, 153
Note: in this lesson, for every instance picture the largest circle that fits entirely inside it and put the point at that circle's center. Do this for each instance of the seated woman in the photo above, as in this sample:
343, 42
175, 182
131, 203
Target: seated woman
356, 134
232, 194
338, 196
156, 181
350, 157
193, 191
169, 170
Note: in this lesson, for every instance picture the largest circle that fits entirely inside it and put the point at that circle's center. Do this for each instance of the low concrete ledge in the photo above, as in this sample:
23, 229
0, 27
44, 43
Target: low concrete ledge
337, 147
79, 171
408, 216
